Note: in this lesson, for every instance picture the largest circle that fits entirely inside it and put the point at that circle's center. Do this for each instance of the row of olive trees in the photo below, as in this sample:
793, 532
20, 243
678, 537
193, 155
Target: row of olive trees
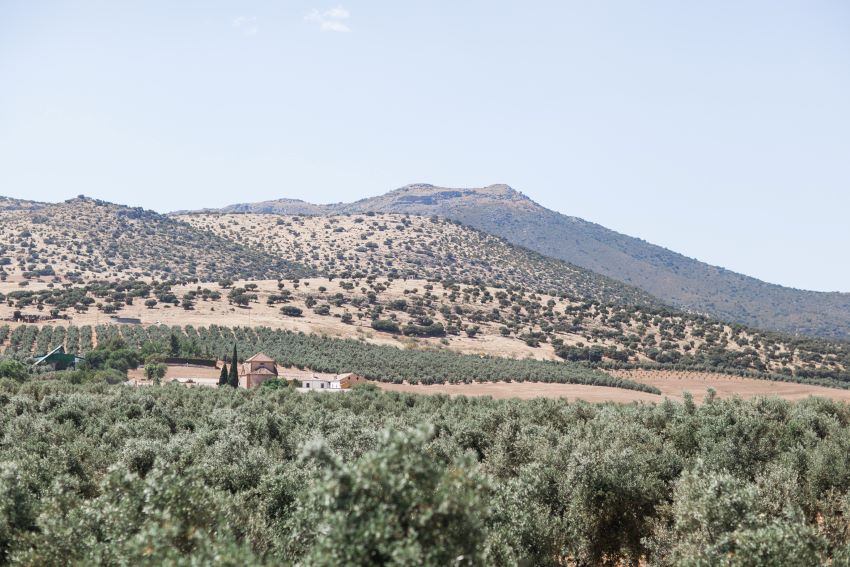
324, 354
96, 474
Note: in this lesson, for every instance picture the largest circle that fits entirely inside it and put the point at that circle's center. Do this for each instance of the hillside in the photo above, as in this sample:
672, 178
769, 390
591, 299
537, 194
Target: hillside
12, 204
387, 279
675, 279
418, 282
421, 315
85, 239
543, 303
403, 246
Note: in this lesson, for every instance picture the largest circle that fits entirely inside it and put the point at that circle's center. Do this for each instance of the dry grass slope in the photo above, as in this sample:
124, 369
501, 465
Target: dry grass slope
408, 246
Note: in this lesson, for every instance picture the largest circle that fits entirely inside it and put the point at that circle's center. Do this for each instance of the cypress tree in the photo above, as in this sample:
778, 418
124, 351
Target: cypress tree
234, 370
223, 378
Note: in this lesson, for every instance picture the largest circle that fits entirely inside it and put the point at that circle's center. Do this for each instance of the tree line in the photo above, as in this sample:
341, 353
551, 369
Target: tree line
98, 474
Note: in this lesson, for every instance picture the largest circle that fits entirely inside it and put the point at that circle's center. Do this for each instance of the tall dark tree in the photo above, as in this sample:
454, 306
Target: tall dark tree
234, 370
175, 345
223, 377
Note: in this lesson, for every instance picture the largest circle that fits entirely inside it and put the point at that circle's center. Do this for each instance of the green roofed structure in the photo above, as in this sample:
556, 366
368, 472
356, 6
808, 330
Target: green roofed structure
57, 359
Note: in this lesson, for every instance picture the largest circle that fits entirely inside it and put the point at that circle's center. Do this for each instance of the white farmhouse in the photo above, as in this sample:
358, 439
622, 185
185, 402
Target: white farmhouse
333, 383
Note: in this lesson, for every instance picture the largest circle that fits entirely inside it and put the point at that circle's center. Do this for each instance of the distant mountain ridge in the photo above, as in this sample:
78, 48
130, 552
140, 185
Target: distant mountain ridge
672, 277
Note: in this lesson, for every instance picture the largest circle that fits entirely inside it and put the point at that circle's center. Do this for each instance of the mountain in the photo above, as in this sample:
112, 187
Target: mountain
86, 239
432, 277
413, 281
673, 278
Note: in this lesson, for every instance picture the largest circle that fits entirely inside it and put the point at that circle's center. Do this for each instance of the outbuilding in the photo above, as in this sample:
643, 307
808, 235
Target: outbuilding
338, 382
57, 359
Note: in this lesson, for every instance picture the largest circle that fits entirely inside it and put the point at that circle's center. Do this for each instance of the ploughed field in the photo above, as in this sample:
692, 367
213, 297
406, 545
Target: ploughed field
672, 384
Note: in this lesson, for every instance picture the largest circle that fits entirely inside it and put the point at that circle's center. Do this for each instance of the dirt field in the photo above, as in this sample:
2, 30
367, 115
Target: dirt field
202, 375
528, 390
672, 385
206, 376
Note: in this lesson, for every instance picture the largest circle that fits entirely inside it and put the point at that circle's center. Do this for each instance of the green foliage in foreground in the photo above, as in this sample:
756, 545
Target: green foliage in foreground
98, 474
13, 369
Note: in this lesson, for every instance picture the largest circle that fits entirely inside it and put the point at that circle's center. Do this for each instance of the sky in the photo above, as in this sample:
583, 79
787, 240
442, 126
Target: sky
717, 129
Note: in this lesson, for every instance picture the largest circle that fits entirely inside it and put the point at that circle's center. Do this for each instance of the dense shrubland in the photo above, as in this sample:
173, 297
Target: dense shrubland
99, 474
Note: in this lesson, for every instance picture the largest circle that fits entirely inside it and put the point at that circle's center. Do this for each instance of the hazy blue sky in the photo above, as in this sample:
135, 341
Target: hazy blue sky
718, 129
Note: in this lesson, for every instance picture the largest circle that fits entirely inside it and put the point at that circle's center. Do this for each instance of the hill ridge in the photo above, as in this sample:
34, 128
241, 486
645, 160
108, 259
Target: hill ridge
90, 238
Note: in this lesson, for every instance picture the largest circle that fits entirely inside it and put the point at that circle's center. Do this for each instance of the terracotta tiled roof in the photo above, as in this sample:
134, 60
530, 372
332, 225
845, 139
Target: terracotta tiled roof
258, 371
260, 357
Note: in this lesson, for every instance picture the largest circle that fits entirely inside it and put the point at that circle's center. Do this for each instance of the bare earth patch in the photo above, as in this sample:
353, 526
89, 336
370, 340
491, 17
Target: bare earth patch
208, 376
201, 375
671, 383
527, 390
